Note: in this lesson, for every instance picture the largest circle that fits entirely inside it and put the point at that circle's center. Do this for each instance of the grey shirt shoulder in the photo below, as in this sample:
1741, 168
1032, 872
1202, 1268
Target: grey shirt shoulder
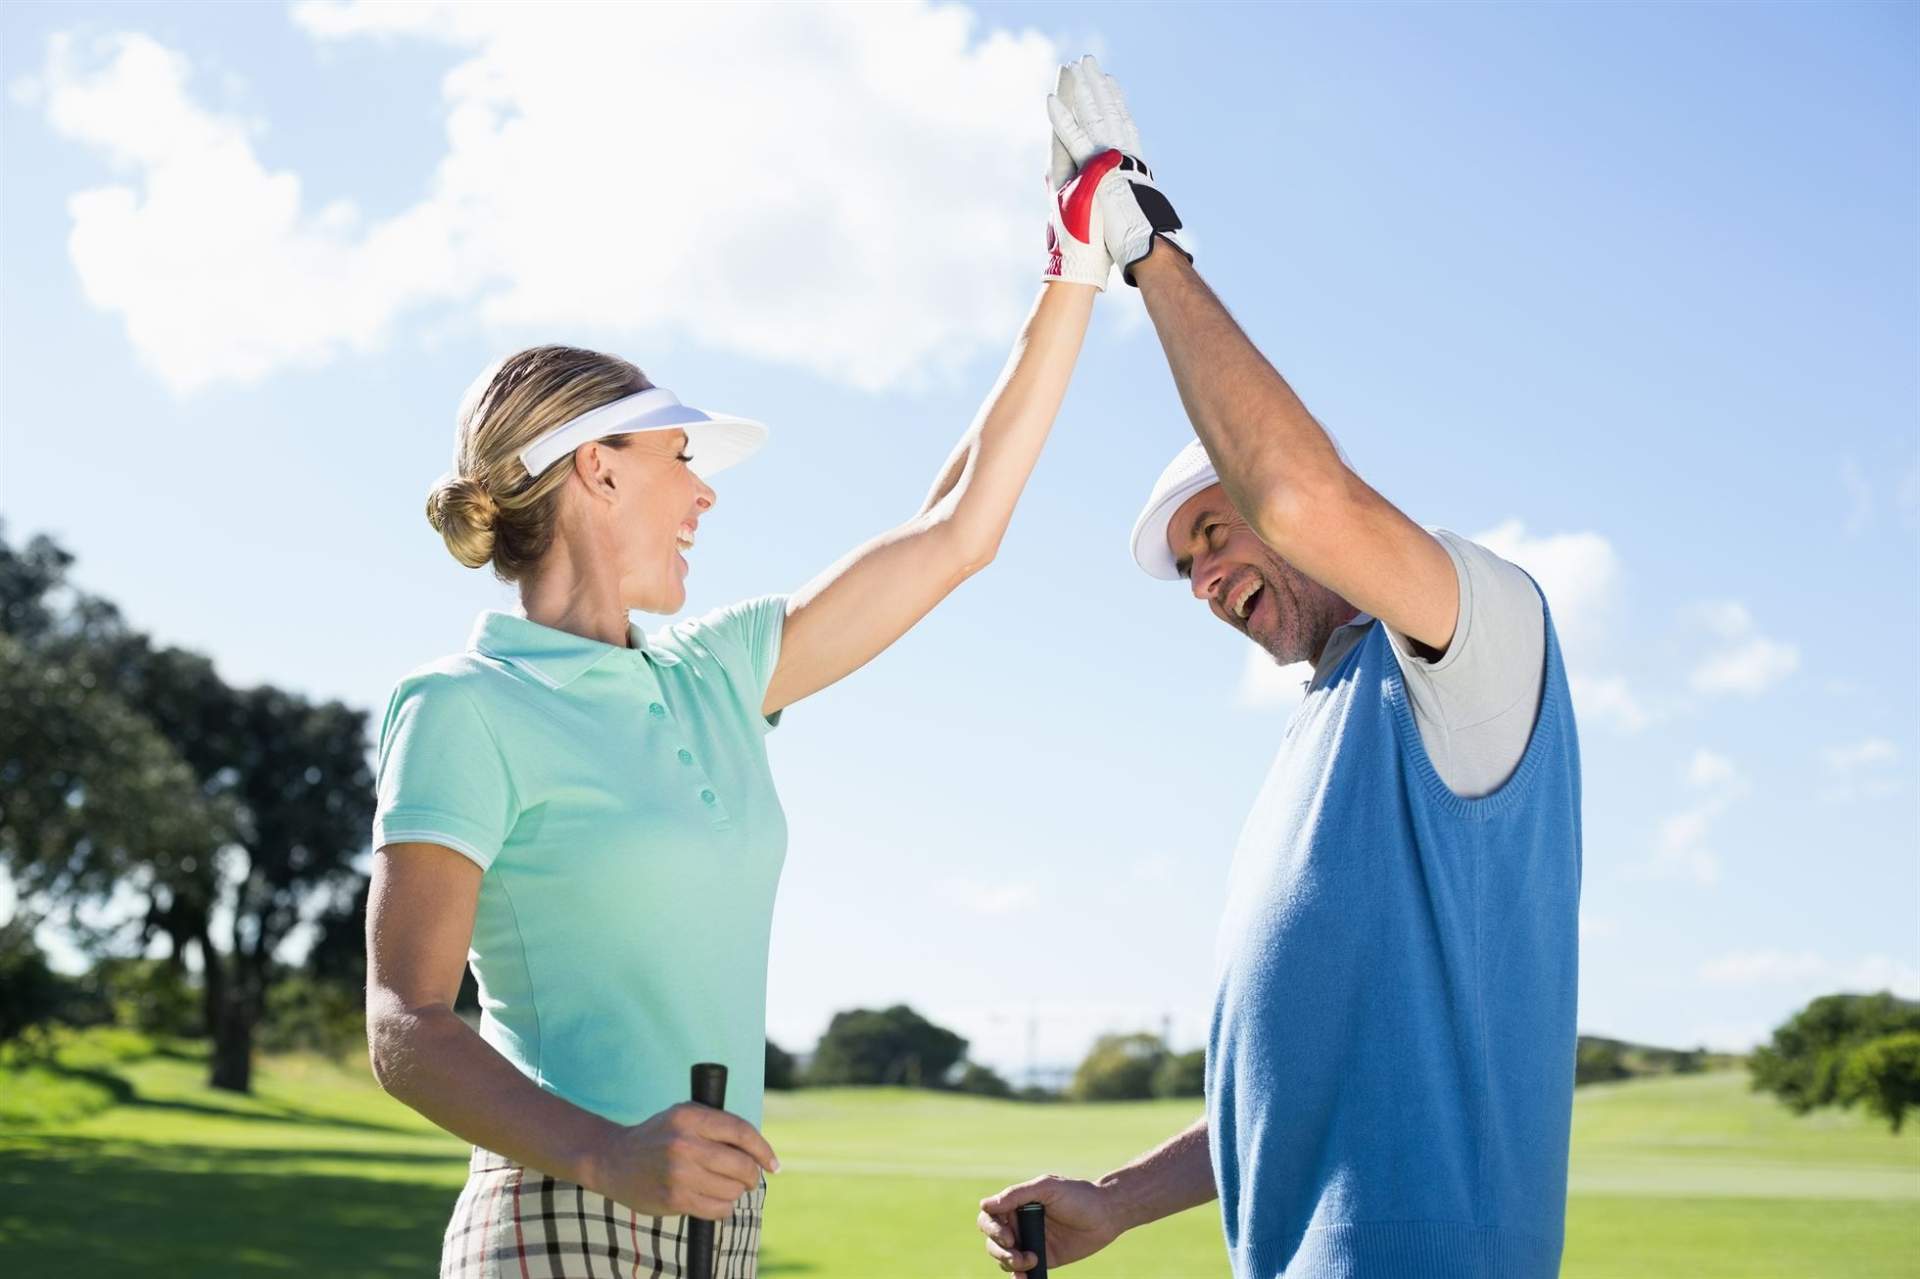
1475, 704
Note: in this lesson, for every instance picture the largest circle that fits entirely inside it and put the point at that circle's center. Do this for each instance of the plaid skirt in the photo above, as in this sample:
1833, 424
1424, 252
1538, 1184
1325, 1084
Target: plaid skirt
514, 1222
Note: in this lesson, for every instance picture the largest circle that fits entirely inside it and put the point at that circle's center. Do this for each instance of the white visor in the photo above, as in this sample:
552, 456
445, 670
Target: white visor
1190, 471
716, 440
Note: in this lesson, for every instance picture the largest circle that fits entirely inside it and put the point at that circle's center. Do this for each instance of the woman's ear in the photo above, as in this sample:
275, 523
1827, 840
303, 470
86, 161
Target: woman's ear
592, 464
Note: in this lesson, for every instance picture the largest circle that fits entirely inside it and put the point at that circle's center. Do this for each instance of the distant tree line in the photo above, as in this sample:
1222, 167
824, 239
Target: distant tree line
897, 1046
1598, 1060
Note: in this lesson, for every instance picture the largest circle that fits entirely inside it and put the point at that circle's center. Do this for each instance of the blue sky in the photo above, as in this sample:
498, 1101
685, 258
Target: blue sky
1633, 292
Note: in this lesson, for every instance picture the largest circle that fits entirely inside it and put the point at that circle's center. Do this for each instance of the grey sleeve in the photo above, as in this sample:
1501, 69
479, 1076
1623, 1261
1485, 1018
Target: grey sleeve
1476, 702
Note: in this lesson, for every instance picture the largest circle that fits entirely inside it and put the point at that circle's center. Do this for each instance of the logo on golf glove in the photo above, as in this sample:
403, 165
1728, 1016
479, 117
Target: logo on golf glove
1076, 248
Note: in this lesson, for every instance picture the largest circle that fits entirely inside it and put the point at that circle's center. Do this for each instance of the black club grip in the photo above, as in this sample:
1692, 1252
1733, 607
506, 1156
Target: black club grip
709, 1089
1030, 1223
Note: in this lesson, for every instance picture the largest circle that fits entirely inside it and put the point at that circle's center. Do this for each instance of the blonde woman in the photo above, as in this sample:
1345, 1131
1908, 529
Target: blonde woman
585, 814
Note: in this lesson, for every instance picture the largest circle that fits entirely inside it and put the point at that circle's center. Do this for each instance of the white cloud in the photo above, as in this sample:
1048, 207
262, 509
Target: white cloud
1859, 496
1682, 849
1266, 685
1682, 852
1710, 769
1861, 770
852, 190
1579, 572
1762, 967
1750, 667
1608, 699
1747, 662
1871, 752
1809, 970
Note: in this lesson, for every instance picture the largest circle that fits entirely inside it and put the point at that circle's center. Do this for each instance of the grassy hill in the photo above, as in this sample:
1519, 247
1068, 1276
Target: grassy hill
321, 1174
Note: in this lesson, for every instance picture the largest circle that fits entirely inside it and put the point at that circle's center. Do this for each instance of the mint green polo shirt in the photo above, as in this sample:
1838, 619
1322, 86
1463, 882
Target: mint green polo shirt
620, 804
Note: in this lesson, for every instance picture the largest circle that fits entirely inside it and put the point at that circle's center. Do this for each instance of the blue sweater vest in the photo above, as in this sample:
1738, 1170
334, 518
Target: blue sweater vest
1390, 1065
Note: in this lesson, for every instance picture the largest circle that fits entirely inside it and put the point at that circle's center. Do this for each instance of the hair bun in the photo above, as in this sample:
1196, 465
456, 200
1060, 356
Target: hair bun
464, 513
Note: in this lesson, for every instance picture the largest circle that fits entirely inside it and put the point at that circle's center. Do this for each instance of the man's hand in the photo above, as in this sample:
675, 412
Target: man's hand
1090, 117
1081, 1220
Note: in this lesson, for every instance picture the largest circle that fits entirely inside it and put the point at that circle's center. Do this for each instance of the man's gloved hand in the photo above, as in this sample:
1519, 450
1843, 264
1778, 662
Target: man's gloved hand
1076, 249
1090, 118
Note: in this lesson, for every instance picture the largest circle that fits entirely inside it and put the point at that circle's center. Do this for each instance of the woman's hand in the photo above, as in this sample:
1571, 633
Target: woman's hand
688, 1160
1080, 1222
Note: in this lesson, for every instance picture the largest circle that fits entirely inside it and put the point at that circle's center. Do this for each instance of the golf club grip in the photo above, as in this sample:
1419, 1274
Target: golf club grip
1030, 1223
709, 1089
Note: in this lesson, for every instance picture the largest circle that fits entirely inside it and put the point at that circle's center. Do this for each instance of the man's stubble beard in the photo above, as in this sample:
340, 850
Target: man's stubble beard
1308, 613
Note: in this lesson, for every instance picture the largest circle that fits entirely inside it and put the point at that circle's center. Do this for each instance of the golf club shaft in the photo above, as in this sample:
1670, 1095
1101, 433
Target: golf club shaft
709, 1089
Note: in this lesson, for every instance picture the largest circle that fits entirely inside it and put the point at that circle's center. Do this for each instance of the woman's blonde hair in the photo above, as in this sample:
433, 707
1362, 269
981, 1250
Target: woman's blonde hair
488, 510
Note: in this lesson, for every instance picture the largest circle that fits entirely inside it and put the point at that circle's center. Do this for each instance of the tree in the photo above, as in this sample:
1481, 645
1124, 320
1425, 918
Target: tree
91, 794
982, 1081
889, 1046
1804, 1064
1598, 1061
780, 1068
1884, 1075
1182, 1075
1120, 1068
203, 798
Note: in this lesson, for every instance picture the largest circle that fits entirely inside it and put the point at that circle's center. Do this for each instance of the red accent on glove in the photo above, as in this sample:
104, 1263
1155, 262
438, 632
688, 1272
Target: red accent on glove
1076, 198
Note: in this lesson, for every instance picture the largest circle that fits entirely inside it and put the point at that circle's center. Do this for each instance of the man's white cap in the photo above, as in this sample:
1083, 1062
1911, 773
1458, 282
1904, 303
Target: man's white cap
1190, 471
716, 440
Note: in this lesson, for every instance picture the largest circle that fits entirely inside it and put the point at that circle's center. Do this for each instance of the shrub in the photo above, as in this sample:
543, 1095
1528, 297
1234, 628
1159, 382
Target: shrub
313, 1016
982, 1081
1182, 1075
1120, 1068
1597, 1062
31, 993
150, 995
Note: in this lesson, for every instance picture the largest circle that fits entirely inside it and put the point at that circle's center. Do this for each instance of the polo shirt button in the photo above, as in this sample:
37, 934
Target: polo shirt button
686, 756
657, 711
707, 797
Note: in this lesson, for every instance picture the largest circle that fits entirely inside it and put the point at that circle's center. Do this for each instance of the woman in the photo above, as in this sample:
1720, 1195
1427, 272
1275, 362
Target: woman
585, 813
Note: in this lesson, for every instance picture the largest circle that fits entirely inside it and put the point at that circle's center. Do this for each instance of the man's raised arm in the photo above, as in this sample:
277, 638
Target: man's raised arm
1279, 468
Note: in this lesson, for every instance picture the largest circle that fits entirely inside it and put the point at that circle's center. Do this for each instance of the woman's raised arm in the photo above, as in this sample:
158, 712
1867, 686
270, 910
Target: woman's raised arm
849, 614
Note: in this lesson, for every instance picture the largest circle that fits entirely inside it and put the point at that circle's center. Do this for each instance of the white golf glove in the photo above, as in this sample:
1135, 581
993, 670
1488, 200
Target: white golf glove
1090, 117
1076, 248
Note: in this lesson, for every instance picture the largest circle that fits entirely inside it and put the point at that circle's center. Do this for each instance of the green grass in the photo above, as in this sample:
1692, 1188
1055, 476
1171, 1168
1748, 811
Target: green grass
321, 1174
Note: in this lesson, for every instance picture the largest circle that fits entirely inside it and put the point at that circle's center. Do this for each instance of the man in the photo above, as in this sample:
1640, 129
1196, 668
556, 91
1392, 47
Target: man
1390, 1062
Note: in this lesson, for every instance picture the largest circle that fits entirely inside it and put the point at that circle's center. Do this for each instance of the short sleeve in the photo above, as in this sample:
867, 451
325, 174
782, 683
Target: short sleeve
1495, 660
442, 778
746, 639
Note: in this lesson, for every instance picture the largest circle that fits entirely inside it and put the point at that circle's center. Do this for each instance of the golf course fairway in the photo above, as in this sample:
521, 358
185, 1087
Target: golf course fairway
319, 1173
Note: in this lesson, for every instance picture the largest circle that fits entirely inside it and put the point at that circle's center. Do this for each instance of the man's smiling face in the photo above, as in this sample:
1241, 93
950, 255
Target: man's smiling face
1246, 585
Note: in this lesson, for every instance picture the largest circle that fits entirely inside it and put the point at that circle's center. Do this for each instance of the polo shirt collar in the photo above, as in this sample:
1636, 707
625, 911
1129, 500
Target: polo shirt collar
554, 657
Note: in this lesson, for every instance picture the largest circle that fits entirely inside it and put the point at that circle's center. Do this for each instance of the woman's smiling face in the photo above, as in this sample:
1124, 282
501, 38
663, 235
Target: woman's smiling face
649, 523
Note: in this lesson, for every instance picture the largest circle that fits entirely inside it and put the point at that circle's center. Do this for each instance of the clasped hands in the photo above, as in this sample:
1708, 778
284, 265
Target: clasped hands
1103, 207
